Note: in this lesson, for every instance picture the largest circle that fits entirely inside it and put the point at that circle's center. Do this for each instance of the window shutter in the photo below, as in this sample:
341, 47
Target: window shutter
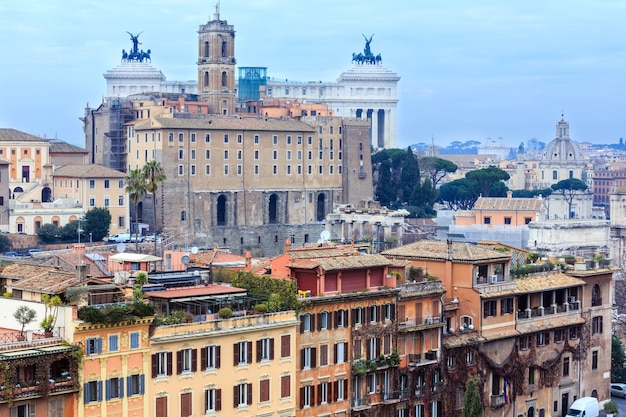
378, 340
249, 359
258, 350
335, 356
179, 362
336, 318
249, 389
319, 394
368, 350
141, 384
312, 322
301, 397
335, 395
218, 399
128, 386
236, 354
194, 360
85, 391
329, 321
204, 360
108, 389
401, 313
206, 400
301, 324
345, 390
319, 321
301, 358
121, 384
99, 343
235, 396
353, 320
100, 389
379, 313
272, 349
313, 398
169, 363
393, 312
218, 356
154, 368
313, 357
345, 351
31, 410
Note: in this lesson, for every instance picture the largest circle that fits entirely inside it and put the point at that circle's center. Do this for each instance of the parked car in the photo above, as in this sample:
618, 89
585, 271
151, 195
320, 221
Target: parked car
618, 390
119, 238
33, 251
11, 254
136, 238
150, 238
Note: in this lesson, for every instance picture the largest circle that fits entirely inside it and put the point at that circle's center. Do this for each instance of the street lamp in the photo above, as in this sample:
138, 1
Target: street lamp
79, 230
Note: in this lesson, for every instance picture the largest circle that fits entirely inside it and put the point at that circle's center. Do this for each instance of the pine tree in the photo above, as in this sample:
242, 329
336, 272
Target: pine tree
410, 176
472, 405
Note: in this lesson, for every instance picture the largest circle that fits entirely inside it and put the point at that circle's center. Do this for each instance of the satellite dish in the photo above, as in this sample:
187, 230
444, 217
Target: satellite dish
325, 235
194, 250
185, 259
120, 248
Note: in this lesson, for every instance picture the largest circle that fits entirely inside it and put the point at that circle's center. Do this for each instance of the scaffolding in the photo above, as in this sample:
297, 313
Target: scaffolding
120, 113
251, 79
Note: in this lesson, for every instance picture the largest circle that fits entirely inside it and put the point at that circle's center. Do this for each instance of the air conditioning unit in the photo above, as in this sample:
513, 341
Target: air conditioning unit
493, 279
428, 320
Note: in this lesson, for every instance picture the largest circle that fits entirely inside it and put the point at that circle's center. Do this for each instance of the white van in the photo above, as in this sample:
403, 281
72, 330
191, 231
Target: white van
120, 238
584, 407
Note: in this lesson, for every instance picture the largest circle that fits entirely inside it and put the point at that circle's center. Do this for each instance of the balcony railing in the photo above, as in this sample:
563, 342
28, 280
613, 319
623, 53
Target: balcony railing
492, 279
497, 400
417, 359
361, 402
420, 391
413, 322
437, 387
547, 311
396, 395
595, 302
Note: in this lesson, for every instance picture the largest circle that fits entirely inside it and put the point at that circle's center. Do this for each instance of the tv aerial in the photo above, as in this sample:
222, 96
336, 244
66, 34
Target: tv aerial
120, 248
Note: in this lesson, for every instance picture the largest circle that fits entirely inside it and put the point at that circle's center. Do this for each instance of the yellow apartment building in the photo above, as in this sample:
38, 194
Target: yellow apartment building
239, 366
93, 186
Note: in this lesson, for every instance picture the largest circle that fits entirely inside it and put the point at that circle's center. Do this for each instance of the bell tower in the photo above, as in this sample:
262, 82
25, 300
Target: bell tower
216, 65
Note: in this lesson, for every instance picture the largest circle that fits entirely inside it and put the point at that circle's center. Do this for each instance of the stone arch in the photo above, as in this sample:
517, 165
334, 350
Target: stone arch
531, 412
56, 221
18, 190
37, 223
224, 79
223, 49
321, 207
596, 298
207, 49
20, 224
72, 218
221, 210
273, 209
206, 79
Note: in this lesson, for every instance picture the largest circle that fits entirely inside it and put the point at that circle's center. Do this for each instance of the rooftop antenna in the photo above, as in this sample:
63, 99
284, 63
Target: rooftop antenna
217, 10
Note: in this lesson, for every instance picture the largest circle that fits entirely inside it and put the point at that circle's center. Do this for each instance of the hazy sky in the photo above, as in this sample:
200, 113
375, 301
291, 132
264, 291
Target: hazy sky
469, 69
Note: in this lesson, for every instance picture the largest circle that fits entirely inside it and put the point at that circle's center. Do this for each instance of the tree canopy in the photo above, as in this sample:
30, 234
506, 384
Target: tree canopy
489, 181
436, 168
472, 404
618, 372
459, 194
97, 223
568, 188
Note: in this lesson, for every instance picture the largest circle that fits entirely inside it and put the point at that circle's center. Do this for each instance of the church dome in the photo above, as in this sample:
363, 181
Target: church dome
562, 148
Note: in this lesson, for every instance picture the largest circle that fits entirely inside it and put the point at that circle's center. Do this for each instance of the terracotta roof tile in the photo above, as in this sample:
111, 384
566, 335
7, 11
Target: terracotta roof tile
7, 135
508, 204
25, 270
87, 171
438, 250
58, 146
50, 282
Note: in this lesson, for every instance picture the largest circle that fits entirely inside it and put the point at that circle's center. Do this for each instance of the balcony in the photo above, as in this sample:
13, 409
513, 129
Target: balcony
419, 322
497, 400
395, 396
596, 302
416, 360
542, 311
361, 403
437, 387
420, 391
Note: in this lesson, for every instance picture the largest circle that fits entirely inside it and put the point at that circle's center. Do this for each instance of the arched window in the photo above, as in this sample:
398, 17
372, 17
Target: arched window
224, 79
221, 210
206, 79
596, 297
206, 49
273, 209
46, 195
321, 207
183, 216
223, 49
531, 412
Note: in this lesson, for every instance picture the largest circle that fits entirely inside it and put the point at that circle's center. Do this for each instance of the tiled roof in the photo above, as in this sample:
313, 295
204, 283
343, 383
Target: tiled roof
58, 146
87, 171
227, 123
508, 204
73, 259
218, 257
540, 282
337, 263
438, 250
51, 282
322, 252
7, 135
25, 270
198, 291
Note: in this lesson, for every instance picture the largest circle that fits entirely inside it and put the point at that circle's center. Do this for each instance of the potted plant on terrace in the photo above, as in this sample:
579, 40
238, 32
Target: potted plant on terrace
52, 304
24, 315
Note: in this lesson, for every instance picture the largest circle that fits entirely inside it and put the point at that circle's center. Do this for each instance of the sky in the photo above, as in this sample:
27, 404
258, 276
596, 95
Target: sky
469, 69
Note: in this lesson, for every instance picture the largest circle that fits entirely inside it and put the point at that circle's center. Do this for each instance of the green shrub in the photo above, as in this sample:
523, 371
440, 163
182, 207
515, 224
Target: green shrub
225, 313
610, 407
261, 308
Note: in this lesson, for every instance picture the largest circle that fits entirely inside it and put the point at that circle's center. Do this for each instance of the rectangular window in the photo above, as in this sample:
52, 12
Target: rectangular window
120, 221
285, 346
212, 400
207, 137
207, 154
308, 356
239, 138
93, 346
264, 390
373, 348
566, 366
543, 338
594, 360
134, 340
106, 183
161, 407
323, 393
275, 169
574, 332
225, 169
192, 170
170, 137
211, 357
596, 325
341, 318
285, 386
242, 395
531, 376
243, 353
135, 385
226, 154
525, 342
340, 391
113, 343
185, 404
239, 169
93, 393
306, 396
107, 202
373, 311
506, 305
265, 349
181, 137
323, 355
341, 352
161, 364
120, 200
507, 220
371, 383
490, 308
275, 140
487, 220
527, 220
288, 140
256, 154
193, 154
559, 335
181, 170
114, 388
256, 139
186, 361
225, 137
357, 315
92, 184
207, 169
120, 184
256, 170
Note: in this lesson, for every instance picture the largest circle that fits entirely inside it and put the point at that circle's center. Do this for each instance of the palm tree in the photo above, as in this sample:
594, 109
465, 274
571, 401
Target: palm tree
136, 187
154, 174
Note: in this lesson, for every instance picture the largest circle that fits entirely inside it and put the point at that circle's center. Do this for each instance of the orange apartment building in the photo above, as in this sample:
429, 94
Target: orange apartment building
537, 342
347, 338
500, 211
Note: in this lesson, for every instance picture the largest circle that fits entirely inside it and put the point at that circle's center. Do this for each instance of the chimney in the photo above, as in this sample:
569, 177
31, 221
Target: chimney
248, 261
449, 254
287, 245
78, 249
509, 194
